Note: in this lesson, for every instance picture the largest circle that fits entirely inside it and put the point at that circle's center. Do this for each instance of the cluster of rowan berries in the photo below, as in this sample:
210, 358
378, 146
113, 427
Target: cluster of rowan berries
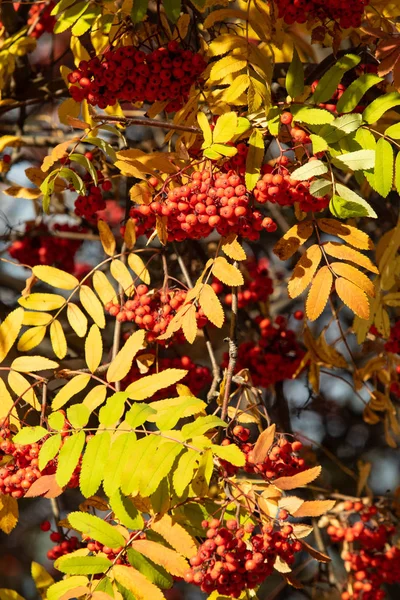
346, 14
64, 544
277, 186
42, 20
373, 560
257, 286
275, 357
197, 378
331, 104
114, 554
282, 459
211, 200
152, 311
40, 245
393, 343
229, 563
128, 74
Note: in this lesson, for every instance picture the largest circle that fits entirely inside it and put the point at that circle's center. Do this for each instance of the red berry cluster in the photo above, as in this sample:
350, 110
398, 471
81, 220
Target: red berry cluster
152, 311
373, 560
197, 378
281, 460
393, 343
211, 200
63, 544
277, 186
331, 104
275, 357
229, 564
346, 14
39, 246
129, 75
21, 471
112, 553
257, 287
40, 17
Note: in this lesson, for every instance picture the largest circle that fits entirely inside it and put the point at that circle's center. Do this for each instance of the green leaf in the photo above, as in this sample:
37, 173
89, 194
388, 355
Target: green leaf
206, 129
309, 170
356, 90
295, 76
343, 209
397, 173
61, 6
231, 453
327, 85
82, 565
158, 467
86, 164
74, 179
255, 157
144, 451
56, 420
138, 414
378, 107
113, 409
155, 573
200, 426
361, 160
222, 150
202, 478
124, 510
94, 460
47, 187
384, 167
225, 128
243, 125
78, 415
49, 450
139, 10
319, 144
183, 473
86, 21
170, 411
96, 528
30, 435
103, 145
365, 139
104, 585
356, 204
122, 450
69, 457
310, 115
57, 590
320, 188
393, 131
70, 16
273, 120
172, 9
341, 127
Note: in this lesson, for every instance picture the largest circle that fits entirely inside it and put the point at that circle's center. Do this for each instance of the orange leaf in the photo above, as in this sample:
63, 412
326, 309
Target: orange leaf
353, 297
106, 237
298, 480
263, 444
211, 306
304, 271
293, 239
351, 235
8, 513
343, 252
354, 275
319, 293
175, 535
314, 508
315, 553
136, 583
173, 562
189, 324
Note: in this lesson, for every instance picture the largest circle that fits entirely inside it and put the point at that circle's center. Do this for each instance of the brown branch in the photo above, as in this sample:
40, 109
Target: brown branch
232, 343
127, 121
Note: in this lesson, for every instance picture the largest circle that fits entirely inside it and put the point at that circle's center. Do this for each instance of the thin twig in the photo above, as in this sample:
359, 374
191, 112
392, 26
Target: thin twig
127, 121
232, 343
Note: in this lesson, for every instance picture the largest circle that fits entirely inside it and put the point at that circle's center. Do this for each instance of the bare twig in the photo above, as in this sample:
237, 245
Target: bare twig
232, 343
127, 121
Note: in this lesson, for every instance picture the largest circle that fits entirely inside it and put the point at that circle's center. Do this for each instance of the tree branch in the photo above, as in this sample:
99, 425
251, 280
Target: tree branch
232, 342
127, 121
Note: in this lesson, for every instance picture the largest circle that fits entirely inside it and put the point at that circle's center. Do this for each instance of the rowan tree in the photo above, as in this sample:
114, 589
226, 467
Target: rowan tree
207, 218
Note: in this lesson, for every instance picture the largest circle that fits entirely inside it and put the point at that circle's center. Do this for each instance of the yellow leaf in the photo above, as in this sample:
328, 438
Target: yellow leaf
103, 287
352, 274
211, 306
58, 340
293, 239
30, 364
120, 272
351, 235
304, 271
227, 273
175, 535
16, 191
319, 293
31, 338
130, 234
254, 159
238, 87
36, 318
9, 330
140, 193
225, 66
106, 237
222, 15
206, 129
343, 252
92, 305
353, 297
149, 385
55, 277
232, 248
173, 562
6, 594
189, 324
23, 389
139, 268
6, 405
298, 480
314, 508
93, 348
122, 363
263, 444
8, 513
77, 319
70, 389
9, 141
135, 582
161, 228
67, 109
41, 577
225, 128
57, 152
42, 302
95, 397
